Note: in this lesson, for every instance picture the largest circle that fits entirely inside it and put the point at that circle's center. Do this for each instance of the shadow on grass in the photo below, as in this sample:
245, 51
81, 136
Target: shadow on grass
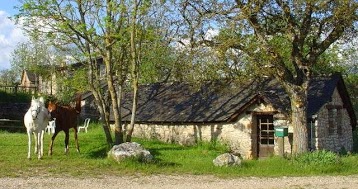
99, 153
162, 163
155, 151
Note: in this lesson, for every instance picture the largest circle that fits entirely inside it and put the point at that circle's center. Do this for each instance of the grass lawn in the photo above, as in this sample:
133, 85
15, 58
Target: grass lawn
169, 159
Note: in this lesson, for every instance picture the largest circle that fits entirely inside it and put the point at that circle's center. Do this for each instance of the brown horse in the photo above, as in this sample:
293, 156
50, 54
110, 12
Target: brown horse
66, 118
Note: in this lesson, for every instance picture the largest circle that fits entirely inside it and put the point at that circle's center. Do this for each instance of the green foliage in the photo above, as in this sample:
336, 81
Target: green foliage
9, 77
11, 97
158, 59
351, 81
339, 59
355, 141
71, 84
318, 158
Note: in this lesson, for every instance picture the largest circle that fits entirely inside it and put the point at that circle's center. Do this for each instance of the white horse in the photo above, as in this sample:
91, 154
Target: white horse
36, 119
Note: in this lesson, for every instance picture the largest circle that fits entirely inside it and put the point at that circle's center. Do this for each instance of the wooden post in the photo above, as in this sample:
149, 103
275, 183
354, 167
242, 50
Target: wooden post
281, 146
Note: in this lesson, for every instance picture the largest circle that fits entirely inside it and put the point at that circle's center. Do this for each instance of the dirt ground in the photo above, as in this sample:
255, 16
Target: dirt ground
180, 182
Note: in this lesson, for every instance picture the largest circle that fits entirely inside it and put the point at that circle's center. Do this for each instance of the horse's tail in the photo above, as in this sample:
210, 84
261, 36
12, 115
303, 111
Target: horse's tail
78, 104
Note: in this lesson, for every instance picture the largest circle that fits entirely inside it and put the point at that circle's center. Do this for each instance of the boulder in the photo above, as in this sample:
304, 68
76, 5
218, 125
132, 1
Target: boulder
226, 159
130, 150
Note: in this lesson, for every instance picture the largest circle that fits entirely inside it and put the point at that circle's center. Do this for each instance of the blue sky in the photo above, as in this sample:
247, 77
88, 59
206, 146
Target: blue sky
10, 34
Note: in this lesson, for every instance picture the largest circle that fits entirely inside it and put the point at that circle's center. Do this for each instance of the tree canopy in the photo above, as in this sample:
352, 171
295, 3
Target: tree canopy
287, 38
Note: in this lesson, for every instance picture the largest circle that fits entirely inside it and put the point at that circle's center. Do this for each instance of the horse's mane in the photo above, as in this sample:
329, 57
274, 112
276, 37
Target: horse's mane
78, 104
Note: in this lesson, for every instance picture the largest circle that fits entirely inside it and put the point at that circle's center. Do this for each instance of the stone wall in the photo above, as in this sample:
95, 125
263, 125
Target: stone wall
240, 136
234, 135
333, 130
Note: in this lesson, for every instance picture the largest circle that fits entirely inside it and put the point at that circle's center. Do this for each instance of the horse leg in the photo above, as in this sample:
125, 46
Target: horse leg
36, 144
67, 137
40, 144
51, 144
76, 140
29, 145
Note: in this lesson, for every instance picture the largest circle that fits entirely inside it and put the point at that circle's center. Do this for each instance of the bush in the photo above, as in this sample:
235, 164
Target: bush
11, 97
319, 157
355, 141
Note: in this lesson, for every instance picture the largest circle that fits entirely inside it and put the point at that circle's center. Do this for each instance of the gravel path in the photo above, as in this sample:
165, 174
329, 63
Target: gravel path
180, 182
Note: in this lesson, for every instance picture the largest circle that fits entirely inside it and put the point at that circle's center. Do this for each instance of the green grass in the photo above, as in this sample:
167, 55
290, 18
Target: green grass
169, 159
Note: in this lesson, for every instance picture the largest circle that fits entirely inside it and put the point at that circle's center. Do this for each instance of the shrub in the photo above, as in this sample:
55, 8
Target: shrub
319, 157
355, 141
12, 97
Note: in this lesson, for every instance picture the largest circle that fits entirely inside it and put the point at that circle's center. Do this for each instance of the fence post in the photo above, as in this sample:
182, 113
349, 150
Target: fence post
16, 87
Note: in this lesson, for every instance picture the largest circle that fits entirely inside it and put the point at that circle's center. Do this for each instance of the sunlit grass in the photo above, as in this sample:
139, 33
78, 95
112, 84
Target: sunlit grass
168, 159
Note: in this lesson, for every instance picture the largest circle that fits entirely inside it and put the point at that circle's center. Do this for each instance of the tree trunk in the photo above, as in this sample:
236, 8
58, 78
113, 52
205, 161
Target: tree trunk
101, 103
134, 72
118, 133
106, 126
134, 110
299, 121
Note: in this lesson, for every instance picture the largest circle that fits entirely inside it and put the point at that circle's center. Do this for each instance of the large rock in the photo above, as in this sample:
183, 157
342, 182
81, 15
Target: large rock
227, 159
130, 150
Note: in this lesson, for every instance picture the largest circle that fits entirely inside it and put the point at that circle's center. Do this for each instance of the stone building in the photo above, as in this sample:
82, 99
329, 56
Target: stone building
243, 117
31, 82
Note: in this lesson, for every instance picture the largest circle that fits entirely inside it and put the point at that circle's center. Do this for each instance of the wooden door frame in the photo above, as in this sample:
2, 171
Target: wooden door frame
258, 129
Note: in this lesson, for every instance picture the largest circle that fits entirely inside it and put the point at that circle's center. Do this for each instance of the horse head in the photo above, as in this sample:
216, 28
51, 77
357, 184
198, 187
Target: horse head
52, 109
35, 108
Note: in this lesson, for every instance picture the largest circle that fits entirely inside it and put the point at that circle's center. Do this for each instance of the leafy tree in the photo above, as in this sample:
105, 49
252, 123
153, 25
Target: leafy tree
71, 84
287, 38
32, 56
342, 58
8, 77
38, 57
97, 29
111, 29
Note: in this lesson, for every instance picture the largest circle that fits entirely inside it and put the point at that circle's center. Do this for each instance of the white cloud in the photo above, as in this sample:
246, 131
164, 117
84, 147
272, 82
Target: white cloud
10, 36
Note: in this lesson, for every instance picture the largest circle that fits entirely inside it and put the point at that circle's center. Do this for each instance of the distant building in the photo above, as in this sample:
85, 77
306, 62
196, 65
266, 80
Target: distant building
29, 81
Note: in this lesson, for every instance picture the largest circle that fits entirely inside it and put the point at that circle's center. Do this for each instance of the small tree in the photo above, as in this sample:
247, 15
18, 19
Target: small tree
110, 29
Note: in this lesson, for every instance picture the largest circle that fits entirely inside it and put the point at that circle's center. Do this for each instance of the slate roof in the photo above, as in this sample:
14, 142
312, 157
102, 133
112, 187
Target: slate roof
321, 91
31, 76
179, 102
217, 102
